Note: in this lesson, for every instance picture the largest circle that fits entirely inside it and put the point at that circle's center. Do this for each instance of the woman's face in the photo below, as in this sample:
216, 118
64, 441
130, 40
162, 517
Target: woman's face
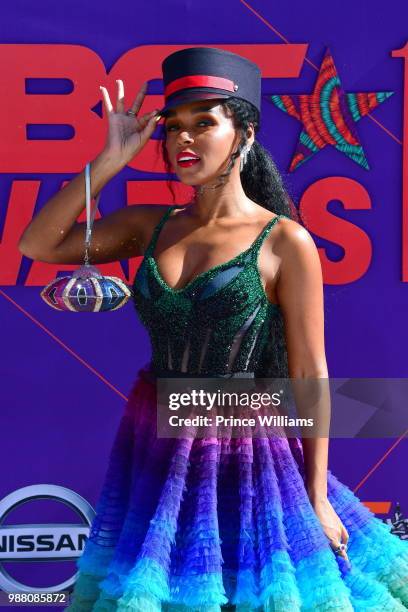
200, 128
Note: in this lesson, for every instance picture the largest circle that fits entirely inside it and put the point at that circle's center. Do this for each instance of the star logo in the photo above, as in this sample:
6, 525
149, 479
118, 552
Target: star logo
329, 116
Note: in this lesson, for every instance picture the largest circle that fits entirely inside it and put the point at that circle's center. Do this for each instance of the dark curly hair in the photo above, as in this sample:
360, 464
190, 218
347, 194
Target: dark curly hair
262, 183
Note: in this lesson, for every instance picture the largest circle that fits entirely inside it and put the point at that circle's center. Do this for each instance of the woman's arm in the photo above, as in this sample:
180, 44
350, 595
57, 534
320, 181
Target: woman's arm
300, 293
54, 236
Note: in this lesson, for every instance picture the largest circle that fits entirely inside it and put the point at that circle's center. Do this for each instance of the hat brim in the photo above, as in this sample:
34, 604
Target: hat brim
193, 96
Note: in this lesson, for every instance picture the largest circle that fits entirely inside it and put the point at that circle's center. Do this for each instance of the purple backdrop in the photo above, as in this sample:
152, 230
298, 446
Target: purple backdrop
59, 414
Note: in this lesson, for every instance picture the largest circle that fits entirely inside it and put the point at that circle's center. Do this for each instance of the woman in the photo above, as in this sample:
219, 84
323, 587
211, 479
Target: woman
193, 524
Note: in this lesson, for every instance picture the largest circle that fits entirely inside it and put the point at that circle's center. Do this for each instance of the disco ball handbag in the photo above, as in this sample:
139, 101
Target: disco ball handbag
87, 290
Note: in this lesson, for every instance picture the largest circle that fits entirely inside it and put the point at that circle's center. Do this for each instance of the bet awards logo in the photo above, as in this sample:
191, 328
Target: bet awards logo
42, 542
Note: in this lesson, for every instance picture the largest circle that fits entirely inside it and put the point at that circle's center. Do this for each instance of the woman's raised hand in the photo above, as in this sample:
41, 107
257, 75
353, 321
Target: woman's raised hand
127, 133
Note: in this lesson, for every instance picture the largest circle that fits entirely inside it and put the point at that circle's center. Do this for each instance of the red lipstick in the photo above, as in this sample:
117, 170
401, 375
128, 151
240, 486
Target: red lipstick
185, 159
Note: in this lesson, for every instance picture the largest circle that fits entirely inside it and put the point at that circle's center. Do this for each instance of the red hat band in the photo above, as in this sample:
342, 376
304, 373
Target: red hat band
199, 80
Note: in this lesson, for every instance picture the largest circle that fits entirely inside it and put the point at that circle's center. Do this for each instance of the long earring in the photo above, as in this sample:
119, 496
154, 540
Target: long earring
244, 157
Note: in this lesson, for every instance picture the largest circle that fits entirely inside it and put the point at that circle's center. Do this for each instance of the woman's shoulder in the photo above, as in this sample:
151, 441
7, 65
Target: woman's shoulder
147, 217
294, 239
150, 212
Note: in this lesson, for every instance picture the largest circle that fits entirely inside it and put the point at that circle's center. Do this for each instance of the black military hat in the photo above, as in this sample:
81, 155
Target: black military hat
201, 73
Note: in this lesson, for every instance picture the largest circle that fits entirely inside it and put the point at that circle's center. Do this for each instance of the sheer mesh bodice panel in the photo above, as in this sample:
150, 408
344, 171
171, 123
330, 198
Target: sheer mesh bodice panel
219, 323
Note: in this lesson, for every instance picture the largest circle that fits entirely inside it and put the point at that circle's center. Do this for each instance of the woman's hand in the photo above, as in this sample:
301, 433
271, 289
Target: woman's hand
127, 134
331, 523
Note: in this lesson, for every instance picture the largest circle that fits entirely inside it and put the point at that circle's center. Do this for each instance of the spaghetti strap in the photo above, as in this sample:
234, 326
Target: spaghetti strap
155, 234
253, 248
256, 245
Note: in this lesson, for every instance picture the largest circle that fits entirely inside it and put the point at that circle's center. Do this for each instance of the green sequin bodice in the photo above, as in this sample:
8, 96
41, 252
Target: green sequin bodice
220, 322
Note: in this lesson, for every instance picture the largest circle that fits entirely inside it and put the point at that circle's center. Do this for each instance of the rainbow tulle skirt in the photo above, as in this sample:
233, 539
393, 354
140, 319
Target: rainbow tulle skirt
197, 525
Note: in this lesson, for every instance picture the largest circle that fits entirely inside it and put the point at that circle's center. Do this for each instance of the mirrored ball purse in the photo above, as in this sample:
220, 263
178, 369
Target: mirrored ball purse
87, 290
